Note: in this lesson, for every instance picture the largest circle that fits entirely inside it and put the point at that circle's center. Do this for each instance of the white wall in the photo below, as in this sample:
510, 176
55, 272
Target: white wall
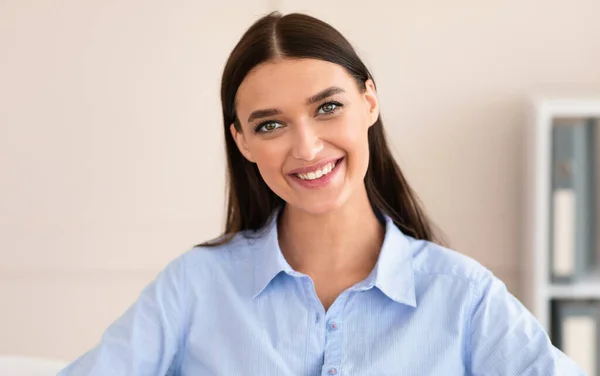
111, 153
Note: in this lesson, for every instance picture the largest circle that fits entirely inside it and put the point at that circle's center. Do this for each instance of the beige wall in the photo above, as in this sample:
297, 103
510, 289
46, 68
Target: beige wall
111, 153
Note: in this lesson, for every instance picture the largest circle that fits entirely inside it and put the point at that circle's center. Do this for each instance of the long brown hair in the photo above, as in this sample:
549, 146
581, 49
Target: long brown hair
250, 202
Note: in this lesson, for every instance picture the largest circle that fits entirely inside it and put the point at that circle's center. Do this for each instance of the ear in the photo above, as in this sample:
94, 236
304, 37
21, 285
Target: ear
241, 143
370, 96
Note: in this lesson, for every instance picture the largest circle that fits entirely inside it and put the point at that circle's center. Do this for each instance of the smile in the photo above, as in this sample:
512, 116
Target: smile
312, 175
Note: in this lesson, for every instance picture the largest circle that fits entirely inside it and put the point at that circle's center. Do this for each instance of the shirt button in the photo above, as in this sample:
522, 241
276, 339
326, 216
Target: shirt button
333, 326
333, 371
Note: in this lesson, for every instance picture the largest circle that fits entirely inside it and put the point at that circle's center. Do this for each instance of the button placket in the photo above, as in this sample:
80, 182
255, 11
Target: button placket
333, 336
316, 319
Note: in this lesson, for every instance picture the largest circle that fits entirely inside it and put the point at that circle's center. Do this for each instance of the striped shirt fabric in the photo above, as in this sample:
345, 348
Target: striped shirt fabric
240, 309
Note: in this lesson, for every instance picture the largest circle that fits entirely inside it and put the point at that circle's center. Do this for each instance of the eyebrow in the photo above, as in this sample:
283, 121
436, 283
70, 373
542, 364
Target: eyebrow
324, 94
315, 98
263, 114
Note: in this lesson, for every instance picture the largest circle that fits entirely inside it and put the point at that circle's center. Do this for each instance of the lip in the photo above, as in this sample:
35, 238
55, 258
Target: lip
314, 167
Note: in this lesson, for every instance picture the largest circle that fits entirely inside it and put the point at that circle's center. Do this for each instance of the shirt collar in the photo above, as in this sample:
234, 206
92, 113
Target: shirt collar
268, 258
393, 274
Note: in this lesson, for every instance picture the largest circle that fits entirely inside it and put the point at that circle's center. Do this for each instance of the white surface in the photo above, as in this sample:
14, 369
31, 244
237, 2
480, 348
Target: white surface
579, 342
12, 365
564, 232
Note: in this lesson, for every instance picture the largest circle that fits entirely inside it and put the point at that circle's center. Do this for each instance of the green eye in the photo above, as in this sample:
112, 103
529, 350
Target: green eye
329, 108
267, 127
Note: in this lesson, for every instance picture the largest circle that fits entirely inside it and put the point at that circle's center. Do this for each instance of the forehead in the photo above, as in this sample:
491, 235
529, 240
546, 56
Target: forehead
289, 81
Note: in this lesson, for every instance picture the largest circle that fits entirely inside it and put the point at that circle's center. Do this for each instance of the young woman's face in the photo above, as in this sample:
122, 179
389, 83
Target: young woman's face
304, 122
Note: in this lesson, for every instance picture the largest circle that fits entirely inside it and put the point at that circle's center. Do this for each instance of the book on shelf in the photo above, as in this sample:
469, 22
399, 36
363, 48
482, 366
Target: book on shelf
573, 242
576, 331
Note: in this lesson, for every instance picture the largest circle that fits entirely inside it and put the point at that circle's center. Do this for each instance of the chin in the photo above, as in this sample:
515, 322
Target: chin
321, 210
318, 207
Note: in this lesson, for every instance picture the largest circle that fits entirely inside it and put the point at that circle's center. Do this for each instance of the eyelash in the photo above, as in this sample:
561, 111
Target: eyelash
337, 105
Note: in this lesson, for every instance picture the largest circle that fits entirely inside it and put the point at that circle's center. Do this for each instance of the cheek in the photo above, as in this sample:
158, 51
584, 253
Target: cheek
269, 157
352, 136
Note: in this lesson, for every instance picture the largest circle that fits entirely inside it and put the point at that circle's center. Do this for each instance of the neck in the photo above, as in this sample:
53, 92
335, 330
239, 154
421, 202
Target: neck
346, 241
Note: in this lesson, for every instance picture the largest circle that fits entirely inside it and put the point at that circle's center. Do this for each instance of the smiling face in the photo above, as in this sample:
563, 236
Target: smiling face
304, 122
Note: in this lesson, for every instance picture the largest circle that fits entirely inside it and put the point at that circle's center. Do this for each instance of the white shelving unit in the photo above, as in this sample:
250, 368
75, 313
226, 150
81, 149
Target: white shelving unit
539, 289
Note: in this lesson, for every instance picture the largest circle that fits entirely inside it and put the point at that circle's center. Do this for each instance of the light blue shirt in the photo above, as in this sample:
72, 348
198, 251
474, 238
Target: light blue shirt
240, 309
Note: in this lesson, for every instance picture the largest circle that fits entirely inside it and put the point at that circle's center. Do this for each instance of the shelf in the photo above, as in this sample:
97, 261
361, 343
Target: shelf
586, 289
587, 105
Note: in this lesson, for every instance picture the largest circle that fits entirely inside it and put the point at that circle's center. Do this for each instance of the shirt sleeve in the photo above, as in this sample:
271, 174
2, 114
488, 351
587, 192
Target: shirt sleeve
506, 339
144, 341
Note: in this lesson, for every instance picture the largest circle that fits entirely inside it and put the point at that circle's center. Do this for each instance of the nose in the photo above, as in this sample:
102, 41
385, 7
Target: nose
306, 143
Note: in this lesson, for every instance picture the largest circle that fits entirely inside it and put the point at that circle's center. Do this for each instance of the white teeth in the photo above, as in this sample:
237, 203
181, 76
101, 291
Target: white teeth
318, 173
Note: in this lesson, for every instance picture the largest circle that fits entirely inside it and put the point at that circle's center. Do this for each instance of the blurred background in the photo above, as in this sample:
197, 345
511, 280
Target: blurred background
111, 141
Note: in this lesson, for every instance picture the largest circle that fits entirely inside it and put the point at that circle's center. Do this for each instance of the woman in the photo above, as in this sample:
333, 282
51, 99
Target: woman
328, 264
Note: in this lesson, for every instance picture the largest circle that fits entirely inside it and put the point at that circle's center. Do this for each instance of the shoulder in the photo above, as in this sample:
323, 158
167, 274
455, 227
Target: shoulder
204, 272
431, 260
229, 254
460, 279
